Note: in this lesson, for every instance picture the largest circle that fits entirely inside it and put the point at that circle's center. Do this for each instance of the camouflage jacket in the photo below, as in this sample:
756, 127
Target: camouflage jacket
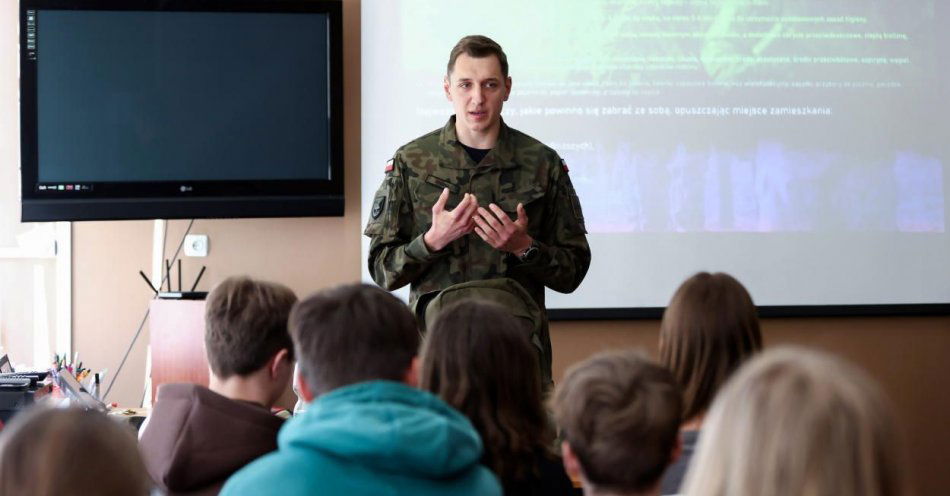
519, 169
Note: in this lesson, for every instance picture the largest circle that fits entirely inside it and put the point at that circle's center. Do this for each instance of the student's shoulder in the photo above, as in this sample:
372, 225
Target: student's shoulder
482, 482
292, 475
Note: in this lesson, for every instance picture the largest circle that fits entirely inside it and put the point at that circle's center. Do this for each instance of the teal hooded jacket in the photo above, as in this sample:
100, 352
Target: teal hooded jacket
376, 438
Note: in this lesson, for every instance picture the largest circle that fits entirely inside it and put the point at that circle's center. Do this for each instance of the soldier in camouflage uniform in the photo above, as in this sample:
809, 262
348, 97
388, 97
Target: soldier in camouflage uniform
477, 199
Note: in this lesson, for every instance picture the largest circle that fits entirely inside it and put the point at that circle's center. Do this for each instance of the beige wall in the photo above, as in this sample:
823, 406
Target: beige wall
110, 299
908, 355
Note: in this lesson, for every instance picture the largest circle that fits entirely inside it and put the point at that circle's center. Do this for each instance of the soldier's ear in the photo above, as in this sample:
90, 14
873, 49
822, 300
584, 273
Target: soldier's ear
507, 87
445, 87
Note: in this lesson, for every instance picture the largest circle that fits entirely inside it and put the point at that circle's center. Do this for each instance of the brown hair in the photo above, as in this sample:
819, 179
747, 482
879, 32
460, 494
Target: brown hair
246, 324
477, 357
353, 333
68, 451
709, 328
478, 46
620, 414
795, 421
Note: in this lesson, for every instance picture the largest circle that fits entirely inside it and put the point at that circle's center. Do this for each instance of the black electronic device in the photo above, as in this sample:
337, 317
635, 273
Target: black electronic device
12, 400
183, 295
14, 384
144, 109
180, 294
6, 368
38, 374
33, 380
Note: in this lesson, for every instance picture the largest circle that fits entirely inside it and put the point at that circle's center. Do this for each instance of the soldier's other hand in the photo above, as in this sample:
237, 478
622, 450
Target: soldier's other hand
449, 225
502, 233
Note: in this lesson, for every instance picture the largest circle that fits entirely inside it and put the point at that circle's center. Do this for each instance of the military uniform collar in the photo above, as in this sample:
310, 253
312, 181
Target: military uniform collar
501, 155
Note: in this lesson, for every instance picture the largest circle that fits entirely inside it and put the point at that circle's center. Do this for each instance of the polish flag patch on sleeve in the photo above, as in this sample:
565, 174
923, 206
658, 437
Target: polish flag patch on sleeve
389, 165
564, 165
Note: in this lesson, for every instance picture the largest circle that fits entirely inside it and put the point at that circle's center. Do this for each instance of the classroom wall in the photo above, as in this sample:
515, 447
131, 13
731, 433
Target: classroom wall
907, 355
110, 298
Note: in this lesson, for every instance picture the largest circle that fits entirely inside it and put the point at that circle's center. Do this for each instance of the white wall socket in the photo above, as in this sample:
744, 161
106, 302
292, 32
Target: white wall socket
196, 245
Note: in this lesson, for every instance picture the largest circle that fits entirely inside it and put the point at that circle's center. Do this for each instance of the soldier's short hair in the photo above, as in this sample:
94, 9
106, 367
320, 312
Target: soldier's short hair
478, 46
350, 334
620, 414
246, 324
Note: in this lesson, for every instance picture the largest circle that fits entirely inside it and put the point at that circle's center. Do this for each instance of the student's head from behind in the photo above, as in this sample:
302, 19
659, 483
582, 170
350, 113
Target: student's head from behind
350, 334
67, 451
479, 359
708, 330
246, 331
794, 421
619, 416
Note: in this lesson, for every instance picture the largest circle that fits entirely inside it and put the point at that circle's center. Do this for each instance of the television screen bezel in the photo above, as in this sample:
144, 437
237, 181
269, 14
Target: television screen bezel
183, 199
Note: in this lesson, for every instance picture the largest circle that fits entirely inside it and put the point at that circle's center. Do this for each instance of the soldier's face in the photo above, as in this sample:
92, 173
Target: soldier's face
477, 90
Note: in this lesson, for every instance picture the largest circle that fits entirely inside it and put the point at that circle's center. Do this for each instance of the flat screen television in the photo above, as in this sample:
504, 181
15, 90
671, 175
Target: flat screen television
161, 109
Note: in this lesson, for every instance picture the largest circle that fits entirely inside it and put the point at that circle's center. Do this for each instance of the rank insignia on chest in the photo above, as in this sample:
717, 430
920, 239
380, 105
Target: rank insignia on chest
389, 165
378, 206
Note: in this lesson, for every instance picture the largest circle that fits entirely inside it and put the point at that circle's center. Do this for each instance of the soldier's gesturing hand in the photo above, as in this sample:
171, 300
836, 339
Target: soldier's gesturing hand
502, 233
449, 225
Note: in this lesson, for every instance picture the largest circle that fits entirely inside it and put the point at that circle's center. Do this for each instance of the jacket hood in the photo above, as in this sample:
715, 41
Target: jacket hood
388, 426
195, 438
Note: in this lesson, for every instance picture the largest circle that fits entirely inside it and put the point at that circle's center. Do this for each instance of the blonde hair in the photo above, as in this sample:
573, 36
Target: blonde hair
798, 422
67, 451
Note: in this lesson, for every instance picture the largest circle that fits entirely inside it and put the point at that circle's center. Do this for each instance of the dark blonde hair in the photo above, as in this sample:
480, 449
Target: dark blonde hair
478, 359
796, 422
708, 330
350, 334
68, 451
478, 46
620, 414
246, 324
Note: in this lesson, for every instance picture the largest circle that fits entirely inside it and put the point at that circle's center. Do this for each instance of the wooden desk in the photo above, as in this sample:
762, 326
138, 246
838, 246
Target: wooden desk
176, 336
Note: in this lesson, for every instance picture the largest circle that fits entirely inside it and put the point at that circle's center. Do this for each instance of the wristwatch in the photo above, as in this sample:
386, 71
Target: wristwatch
530, 254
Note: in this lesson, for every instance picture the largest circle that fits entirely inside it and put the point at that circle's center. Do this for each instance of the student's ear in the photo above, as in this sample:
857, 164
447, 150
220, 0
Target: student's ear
303, 388
279, 364
412, 373
677, 449
571, 465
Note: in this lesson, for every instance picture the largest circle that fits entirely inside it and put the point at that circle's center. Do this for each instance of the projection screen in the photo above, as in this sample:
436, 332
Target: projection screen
799, 145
